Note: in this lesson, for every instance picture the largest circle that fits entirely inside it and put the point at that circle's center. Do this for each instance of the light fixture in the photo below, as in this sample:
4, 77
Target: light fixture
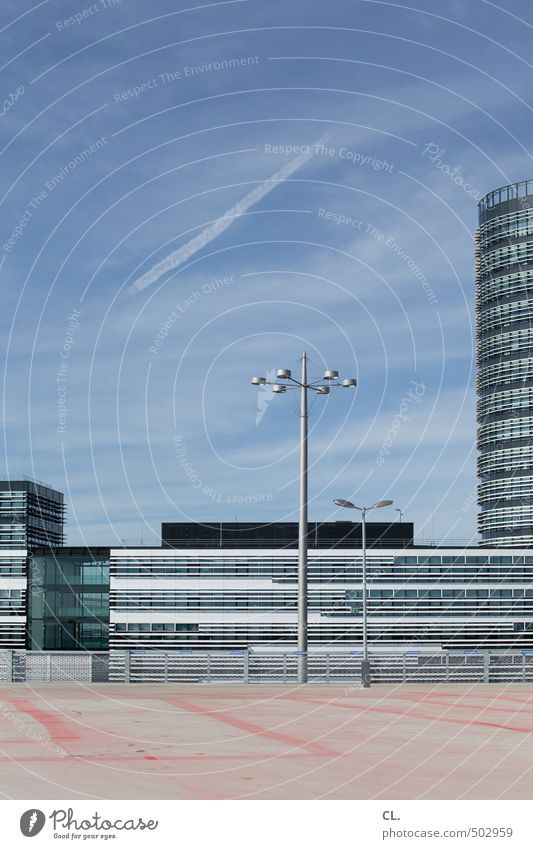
341, 502
304, 386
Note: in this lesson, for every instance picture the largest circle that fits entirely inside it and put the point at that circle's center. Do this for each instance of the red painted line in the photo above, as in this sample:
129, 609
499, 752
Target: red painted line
53, 723
411, 714
258, 730
17, 741
521, 701
471, 692
459, 705
255, 758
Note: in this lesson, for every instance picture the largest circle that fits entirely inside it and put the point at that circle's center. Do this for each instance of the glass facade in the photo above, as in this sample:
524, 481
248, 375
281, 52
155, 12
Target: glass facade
68, 592
504, 300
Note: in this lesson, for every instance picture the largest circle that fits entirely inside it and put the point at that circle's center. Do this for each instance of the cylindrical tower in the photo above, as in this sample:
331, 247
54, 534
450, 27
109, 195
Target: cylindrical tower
504, 302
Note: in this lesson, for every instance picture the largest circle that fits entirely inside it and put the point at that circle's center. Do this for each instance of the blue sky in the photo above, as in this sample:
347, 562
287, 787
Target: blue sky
128, 129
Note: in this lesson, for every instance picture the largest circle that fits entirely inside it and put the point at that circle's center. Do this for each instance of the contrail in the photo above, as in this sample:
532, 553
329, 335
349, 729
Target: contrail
209, 233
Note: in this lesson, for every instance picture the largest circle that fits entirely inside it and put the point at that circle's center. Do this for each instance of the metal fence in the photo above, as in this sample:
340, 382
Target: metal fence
256, 668
59, 667
203, 667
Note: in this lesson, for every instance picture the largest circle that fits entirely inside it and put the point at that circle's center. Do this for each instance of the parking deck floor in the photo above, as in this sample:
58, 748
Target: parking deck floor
181, 741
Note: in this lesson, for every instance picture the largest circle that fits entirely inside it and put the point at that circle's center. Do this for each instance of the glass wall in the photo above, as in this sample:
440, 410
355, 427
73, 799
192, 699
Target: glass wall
68, 606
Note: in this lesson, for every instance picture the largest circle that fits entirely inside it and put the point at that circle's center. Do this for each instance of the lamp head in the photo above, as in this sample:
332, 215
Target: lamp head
341, 502
385, 503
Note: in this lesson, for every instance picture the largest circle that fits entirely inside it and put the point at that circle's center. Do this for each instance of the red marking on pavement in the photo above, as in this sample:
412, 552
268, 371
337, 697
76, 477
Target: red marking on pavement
522, 701
53, 723
459, 705
259, 730
466, 692
259, 757
412, 714
19, 740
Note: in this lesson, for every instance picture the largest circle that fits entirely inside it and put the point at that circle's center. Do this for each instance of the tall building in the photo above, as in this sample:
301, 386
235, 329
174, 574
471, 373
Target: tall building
31, 514
504, 300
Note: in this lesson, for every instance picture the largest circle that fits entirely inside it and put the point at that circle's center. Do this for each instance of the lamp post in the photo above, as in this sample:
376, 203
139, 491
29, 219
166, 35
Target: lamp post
320, 388
341, 502
400, 512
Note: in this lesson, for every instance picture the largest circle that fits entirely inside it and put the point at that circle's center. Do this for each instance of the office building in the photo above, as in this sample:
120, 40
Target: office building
31, 514
229, 599
504, 300
224, 598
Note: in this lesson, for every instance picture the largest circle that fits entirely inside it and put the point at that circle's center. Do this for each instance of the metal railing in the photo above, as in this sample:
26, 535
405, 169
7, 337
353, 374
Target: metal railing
249, 667
59, 667
281, 667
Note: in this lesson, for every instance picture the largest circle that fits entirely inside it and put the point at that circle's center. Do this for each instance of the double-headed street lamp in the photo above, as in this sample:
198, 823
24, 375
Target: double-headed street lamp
320, 388
341, 502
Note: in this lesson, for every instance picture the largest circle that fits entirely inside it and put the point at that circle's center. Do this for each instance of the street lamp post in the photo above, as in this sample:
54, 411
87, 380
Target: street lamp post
320, 388
400, 512
341, 502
